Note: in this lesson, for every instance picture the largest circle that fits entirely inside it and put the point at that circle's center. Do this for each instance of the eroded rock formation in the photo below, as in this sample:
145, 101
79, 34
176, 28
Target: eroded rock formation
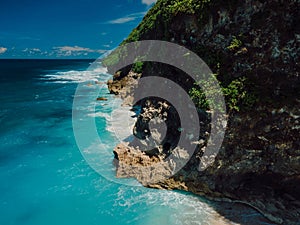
253, 44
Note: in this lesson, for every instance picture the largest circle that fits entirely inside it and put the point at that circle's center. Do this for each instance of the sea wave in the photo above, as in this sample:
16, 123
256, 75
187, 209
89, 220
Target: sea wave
96, 73
165, 205
121, 123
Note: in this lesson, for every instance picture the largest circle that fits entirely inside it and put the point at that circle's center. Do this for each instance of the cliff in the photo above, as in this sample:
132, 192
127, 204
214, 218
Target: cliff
253, 48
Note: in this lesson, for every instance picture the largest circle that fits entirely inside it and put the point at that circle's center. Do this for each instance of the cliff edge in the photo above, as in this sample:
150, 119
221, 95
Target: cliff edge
253, 49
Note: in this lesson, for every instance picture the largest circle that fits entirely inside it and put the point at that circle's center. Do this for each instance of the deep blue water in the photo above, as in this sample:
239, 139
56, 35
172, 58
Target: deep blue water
46, 180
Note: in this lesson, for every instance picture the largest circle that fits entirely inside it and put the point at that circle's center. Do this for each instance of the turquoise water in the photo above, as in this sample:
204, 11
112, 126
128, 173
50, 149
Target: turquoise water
46, 180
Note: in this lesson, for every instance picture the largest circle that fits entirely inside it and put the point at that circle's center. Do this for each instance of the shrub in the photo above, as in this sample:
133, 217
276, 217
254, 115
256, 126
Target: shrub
138, 67
238, 95
235, 44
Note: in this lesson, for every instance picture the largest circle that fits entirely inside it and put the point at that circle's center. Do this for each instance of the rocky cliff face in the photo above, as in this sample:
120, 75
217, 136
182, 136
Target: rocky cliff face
253, 47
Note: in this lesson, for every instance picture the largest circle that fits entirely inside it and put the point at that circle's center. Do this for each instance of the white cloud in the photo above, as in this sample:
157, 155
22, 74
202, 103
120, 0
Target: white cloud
2, 50
149, 2
32, 50
122, 20
75, 51
127, 18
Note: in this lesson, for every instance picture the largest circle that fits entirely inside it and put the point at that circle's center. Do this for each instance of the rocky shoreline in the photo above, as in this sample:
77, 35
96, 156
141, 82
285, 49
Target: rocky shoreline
259, 161
255, 190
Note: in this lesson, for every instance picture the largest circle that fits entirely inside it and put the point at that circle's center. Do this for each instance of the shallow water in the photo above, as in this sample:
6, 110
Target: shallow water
46, 180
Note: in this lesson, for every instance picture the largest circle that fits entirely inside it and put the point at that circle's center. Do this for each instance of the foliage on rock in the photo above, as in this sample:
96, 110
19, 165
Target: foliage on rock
253, 48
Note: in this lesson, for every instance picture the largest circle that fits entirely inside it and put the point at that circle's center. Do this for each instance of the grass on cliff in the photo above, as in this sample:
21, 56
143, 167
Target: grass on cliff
163, 11
237, 95
237, 92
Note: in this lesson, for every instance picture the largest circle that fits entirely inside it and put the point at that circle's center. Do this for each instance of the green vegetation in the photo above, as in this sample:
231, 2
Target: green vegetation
235, 44
110, 60
138, 67
205, 93
186, 6
237, 92
199, 98
237, 95
162, 12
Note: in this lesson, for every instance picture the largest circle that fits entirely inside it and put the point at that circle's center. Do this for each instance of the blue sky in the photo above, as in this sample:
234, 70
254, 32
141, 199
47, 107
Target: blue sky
66, 28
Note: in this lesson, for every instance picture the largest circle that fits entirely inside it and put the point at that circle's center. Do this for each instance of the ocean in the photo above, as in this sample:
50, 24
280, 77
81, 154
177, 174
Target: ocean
47, 178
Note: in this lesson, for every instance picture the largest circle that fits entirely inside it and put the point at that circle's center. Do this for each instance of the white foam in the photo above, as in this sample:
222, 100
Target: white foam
166, 205
98, 73
106, 116
121, 123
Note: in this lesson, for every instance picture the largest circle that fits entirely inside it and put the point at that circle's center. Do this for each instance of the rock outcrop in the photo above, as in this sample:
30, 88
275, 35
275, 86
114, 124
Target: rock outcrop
253, 47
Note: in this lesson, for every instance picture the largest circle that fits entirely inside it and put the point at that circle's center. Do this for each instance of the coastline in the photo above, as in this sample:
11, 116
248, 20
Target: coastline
134, 157
259, 161
130, 158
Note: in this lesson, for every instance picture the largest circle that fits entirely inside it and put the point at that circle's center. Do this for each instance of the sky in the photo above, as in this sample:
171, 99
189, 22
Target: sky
66, 28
